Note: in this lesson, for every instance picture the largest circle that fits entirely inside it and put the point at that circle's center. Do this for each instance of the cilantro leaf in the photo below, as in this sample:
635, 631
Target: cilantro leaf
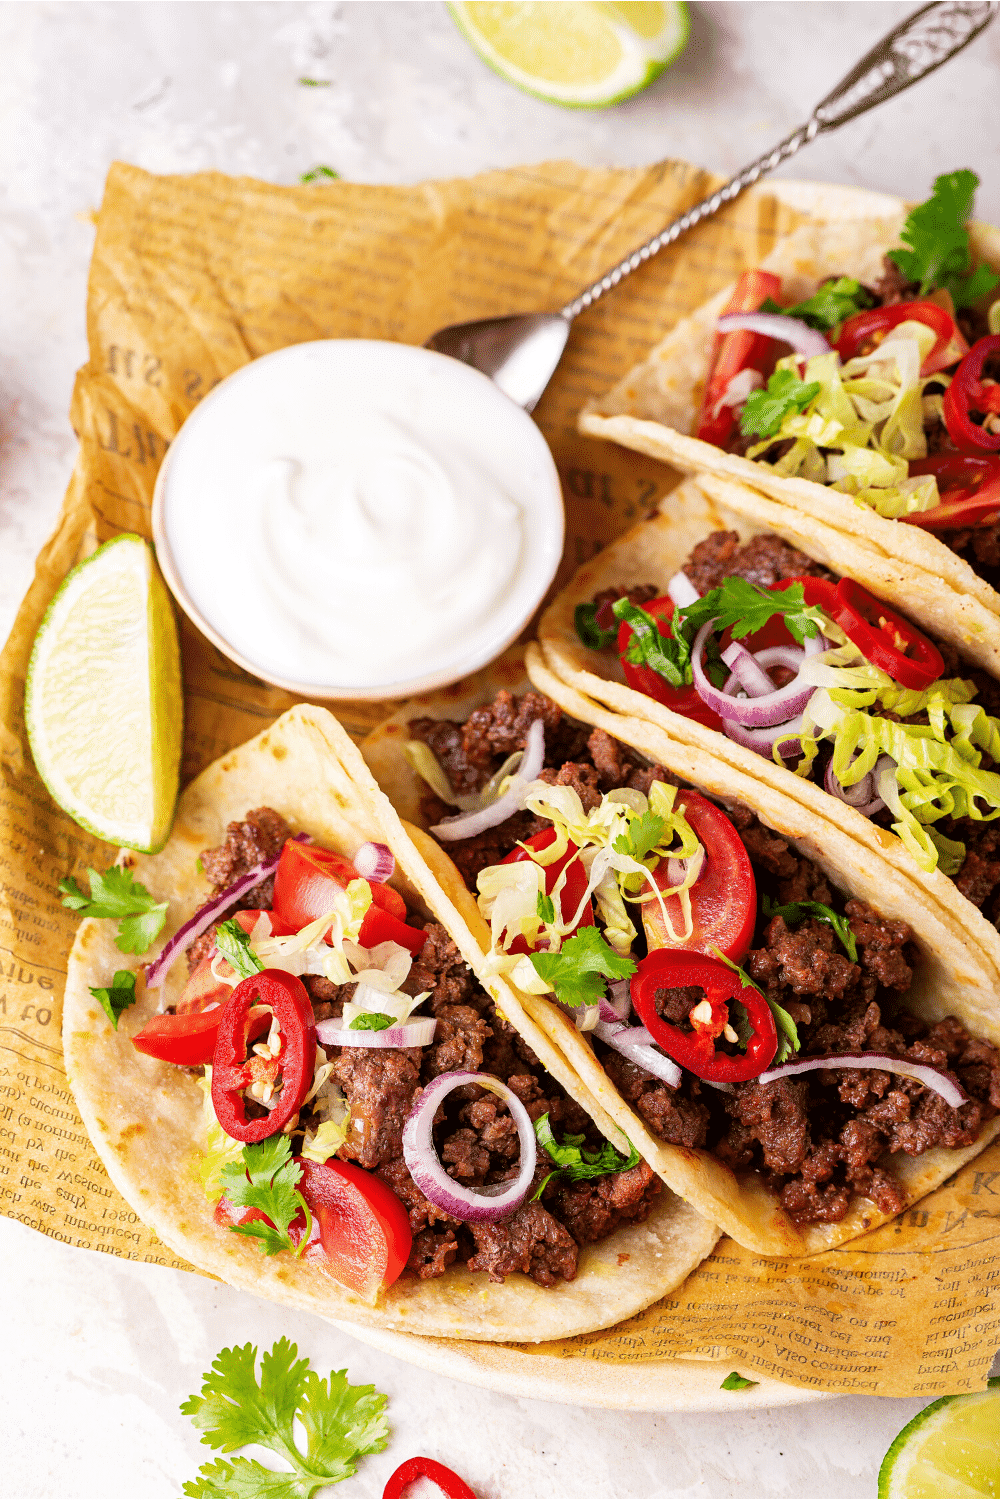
545, 908
117, 893
587, 628
794, 911
234, 945
644, 833
788, 1037
119, 995
342, 1423
734, 1381
316, 174
315, 83
829, 306
372, 1020
765, 411
744, 609
575, 972
669, 655
579, 1165
266, 1178
938, 254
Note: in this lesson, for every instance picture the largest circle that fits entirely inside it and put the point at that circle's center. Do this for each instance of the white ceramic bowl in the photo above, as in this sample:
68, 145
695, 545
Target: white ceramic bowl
358, 519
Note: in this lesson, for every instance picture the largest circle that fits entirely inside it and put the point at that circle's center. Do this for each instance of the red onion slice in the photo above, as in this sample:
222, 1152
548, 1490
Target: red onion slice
417, 1033
467, 825
615, 1006
803, 339
747, 670
791, 657
157, 971
681, 590
763, 741
932, 1078
635, 1043
375, 862
765, 712
863, 796
739, 389
472, 1205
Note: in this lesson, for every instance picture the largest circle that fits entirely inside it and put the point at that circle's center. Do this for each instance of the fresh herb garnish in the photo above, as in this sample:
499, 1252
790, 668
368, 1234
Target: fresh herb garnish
829, 306
315, 83
669, 655
267, 1179
580, 1165
234, 945
118, 996
939, 254
644, 833
794, 911
765, 411
372, 1020
788, 1037
545, 907
587, 628
743, 608
316, 174
734, 1381
342, 1423
577, 972
117, 893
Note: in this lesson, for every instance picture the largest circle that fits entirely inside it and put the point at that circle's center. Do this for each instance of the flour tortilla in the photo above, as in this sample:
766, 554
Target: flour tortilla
951, 978
145, 1117
655, 406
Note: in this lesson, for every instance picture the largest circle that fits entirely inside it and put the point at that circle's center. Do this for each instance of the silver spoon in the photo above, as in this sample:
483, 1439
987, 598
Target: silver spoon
520, 353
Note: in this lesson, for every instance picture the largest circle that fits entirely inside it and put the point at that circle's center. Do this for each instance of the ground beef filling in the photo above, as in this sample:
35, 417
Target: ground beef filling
257, 840
821, 1139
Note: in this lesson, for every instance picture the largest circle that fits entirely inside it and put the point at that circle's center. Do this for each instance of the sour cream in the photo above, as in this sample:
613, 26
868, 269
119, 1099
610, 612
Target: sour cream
359, 519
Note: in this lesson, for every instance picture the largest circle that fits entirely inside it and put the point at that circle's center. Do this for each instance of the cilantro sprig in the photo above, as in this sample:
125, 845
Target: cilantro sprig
643, 835
576, 1164
765, 410
788, 1036
794, 911
372, 1020
266, 1177
829, 306
117, 996
938, 241
577, 972
234, 945
734, 1381
117, 893
342, 1423
587, 628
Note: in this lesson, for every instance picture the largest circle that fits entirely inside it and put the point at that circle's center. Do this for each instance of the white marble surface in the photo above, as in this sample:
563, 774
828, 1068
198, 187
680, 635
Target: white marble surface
99, 1353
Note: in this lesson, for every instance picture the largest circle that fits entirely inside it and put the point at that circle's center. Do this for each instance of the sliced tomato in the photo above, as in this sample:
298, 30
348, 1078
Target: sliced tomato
723, 898
733, 352
682, 700
189, 1039
204, 988
364, 1230
572, 891
305, 887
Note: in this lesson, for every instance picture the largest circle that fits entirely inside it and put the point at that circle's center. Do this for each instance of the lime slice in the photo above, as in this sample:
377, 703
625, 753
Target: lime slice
951, 1448
572, 52
103, 700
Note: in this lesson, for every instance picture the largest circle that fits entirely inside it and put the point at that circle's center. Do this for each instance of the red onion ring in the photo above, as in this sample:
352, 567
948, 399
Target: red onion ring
863, 797
157, 971
417, 1033
616, 1005
763, 741
472, 1205
747, 672
803, 339
791, 657
765, 712
681, 590
467, 825
932, 1078
374, 862
635, 1043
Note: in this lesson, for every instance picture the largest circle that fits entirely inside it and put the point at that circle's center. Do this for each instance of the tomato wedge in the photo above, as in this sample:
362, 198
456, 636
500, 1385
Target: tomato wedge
305, 887
723, 898
572, 891
364, 1230
683, 700
189, 1039
733, 352
949, 344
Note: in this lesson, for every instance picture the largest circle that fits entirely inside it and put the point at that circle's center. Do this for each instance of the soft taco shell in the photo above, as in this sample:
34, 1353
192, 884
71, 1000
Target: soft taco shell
655, 407
952, 977
652, 552
145, 1117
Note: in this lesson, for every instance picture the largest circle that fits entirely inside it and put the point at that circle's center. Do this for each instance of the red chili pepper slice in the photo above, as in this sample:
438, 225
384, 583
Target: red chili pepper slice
863, 327
970, 491
672, 968
233, 1071
572, 891
447, 1481
733, 352
683, 700
885, 638
967, 394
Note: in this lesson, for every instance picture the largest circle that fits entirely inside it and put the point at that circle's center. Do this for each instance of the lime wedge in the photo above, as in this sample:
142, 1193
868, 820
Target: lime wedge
103, 699
951, 1448
583, 55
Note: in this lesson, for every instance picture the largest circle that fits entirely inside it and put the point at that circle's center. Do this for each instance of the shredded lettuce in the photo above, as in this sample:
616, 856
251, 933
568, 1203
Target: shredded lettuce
220, 1148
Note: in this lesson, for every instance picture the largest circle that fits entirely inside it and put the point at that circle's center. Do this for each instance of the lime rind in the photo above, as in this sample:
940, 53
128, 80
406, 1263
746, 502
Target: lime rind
103, 702
642, 60
951, 1448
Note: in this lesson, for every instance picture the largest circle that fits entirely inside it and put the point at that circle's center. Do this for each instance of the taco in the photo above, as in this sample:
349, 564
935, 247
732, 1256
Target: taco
795, 1037
853, 378
263, 1126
